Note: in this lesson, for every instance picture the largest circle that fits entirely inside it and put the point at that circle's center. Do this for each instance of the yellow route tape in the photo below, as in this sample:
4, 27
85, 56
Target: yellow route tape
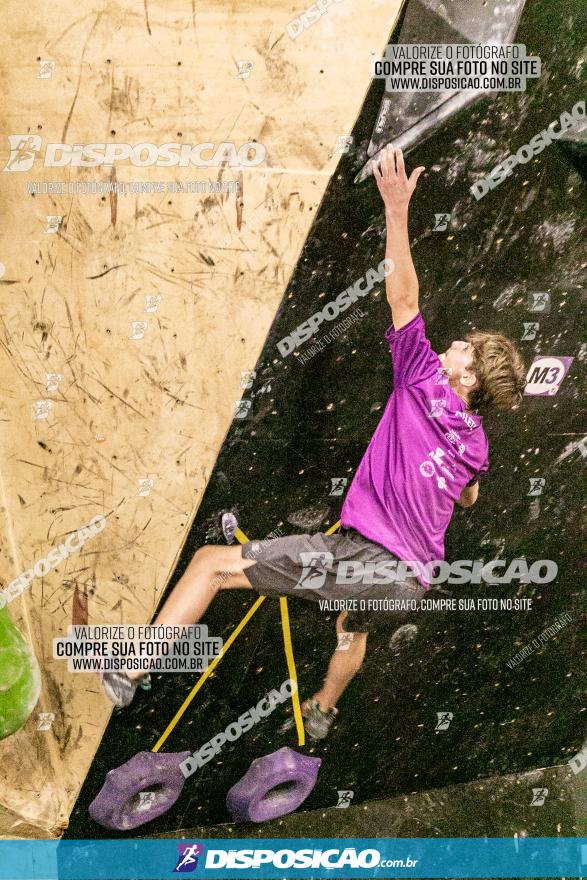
291, 667
207, 673
291, 664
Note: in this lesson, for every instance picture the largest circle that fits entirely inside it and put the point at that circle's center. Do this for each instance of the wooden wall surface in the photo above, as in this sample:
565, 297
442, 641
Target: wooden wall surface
127, 410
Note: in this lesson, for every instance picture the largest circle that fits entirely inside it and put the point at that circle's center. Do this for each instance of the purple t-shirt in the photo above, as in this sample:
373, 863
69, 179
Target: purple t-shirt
424, 451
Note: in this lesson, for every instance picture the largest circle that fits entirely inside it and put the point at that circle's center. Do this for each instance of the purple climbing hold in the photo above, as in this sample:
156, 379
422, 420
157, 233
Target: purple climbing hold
260, 795
139, 791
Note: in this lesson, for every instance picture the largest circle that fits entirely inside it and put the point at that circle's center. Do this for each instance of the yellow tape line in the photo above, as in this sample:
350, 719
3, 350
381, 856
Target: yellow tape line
291, 668
291, 664
207, 673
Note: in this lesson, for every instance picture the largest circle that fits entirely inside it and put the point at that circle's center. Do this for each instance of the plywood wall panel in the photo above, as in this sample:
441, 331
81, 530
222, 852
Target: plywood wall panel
157, 407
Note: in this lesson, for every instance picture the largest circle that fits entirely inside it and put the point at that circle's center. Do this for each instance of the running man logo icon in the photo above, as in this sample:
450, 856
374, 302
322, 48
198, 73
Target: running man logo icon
46, 68
138, 329
537, 484
437, 407
315, 568
442, 375
53, 380
242, 409
145, 484
539, 795
343, 144
146, 800
344, 799
531, 328
538, 301
344, 641
45, 720
152, 302
53, 223
42, 408
337, 485
23, 150
244, 69
444, 719
441, 222
247, 379
188, 857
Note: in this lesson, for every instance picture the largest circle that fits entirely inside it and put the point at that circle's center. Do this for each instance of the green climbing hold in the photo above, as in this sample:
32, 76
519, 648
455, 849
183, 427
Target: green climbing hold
20, 678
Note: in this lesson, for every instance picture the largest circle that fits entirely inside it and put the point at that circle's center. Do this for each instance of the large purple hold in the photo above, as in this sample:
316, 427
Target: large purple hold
260, 795
139, 791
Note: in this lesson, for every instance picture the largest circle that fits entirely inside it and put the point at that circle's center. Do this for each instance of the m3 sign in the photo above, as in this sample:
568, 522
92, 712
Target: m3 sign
546, 375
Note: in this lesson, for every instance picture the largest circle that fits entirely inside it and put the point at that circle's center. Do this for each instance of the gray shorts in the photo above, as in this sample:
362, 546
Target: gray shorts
337, 568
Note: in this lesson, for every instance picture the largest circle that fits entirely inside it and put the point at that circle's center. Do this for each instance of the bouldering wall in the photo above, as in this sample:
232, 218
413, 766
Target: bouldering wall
127, 320
277, 467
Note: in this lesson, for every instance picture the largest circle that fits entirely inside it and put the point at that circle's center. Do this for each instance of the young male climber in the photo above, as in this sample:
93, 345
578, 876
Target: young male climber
427, 453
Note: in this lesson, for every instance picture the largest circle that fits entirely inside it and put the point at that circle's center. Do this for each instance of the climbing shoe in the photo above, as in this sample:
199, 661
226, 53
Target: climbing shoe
120, 689
317, 723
